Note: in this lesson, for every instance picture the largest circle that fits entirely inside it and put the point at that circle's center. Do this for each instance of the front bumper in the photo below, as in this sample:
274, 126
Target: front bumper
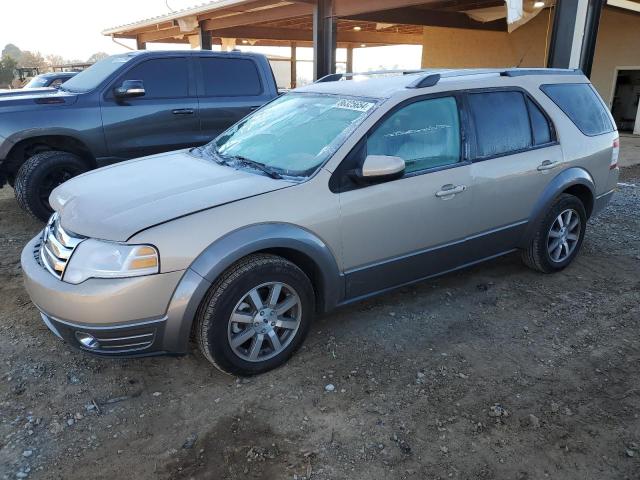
126, 316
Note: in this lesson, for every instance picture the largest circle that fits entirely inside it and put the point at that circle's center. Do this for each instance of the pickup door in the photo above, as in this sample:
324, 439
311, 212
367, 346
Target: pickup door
229, 87
165, 118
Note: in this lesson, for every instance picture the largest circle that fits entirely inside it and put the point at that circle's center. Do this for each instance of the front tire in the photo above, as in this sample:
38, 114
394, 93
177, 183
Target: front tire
256, 315
558, 236
39, 175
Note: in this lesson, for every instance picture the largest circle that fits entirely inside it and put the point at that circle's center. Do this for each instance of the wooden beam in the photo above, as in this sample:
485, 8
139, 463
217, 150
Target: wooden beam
343, 8
431, 18
293, 34
244, 7
140, 45
270, 15
158, 35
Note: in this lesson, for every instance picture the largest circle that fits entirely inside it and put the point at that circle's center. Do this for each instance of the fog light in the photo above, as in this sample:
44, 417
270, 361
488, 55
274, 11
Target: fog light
87, 341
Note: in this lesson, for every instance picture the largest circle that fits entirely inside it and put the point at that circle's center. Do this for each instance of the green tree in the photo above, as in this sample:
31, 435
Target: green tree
7, 67
12, 51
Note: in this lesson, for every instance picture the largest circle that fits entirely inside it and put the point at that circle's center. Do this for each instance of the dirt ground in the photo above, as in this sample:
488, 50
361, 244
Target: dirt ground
493, 372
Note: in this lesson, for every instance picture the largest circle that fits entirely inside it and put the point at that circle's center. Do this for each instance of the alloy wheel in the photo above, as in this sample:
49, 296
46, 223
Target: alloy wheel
264, 321
564, 235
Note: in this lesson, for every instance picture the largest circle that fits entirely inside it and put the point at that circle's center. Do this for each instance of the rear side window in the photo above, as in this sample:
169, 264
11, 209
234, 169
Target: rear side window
230, 77
162, 77
501, 121
540, 127
581, 104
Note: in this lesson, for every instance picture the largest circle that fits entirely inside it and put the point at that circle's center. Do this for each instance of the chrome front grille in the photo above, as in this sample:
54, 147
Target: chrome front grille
57, 246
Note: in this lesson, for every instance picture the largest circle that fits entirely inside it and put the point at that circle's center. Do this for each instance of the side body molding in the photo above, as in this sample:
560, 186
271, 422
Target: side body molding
564, 180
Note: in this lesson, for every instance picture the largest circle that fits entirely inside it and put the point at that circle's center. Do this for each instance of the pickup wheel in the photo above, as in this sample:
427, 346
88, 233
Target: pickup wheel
558, 237
256, 315
39, 175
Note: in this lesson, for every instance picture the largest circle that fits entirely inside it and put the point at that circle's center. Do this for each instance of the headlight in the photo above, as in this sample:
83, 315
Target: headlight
99, 259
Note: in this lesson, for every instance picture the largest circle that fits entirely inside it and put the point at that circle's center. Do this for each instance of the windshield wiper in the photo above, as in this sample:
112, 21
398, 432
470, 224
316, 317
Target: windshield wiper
260, 166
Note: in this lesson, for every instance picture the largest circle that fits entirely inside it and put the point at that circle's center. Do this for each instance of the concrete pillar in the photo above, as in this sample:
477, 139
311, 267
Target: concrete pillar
350, 59
575, 29
324, 39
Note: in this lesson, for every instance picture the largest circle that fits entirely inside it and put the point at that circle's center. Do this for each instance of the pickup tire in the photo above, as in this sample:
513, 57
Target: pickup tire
39, 175
558, 236
256, 315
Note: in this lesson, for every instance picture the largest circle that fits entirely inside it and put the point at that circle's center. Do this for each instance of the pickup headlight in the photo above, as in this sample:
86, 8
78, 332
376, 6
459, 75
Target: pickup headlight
100, 259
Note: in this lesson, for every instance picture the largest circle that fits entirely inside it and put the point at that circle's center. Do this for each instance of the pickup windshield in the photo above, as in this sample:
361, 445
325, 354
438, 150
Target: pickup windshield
294, 134
93, 76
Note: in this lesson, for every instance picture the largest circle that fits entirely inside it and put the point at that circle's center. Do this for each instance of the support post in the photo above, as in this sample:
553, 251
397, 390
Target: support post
294, 65
575, 29
140, 45
590, 35
350, 58
205, 37
324, 39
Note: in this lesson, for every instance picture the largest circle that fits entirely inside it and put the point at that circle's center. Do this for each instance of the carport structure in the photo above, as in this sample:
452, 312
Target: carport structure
328, 24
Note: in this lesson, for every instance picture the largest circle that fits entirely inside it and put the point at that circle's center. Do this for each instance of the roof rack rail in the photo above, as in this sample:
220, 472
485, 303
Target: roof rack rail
334, 77
431, 78
519, 72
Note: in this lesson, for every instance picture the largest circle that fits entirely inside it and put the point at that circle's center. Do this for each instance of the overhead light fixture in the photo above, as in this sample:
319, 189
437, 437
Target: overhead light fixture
357, 28
245, 41
362, 45
538, 4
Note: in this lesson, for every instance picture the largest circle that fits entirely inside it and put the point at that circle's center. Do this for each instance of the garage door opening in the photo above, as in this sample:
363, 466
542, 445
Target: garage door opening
625, 100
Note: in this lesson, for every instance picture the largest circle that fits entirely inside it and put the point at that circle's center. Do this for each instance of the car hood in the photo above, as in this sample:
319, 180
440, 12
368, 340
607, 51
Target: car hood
115, 202
26, 91
42, 96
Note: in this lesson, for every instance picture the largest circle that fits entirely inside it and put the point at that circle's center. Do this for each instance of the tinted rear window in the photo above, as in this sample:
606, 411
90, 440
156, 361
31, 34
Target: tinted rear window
501, 122
581, 104
230, 77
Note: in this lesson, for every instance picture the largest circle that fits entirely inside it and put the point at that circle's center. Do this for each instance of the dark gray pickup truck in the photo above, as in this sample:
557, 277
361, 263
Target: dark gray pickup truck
123, 107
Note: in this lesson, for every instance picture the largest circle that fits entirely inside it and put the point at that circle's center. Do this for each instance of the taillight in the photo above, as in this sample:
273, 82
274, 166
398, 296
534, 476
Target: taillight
615, 153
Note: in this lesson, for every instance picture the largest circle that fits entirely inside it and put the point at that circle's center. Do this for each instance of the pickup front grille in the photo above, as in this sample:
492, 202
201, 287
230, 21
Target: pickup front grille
57, 246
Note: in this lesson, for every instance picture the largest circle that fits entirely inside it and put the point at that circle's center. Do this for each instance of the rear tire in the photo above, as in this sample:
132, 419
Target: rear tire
256, 315
558, 236
39, 175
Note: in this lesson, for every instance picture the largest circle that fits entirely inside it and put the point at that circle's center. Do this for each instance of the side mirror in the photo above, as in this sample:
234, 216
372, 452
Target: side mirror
130, 89
379, 168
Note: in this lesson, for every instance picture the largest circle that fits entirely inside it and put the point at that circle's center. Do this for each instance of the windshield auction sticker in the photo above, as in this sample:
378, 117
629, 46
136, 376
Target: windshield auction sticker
357, 105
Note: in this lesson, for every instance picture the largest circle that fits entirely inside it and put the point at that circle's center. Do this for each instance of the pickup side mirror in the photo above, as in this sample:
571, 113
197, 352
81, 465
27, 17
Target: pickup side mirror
130, 89
380, 168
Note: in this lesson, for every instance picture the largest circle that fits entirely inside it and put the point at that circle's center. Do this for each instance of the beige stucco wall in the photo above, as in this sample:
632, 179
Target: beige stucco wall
459, 48
618, 45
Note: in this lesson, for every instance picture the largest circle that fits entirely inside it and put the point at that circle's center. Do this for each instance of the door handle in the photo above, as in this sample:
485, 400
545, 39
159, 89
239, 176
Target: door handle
182, 111
450, 190
547, 165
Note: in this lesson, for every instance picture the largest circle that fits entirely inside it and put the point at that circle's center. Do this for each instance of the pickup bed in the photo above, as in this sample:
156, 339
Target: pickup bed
125, 106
